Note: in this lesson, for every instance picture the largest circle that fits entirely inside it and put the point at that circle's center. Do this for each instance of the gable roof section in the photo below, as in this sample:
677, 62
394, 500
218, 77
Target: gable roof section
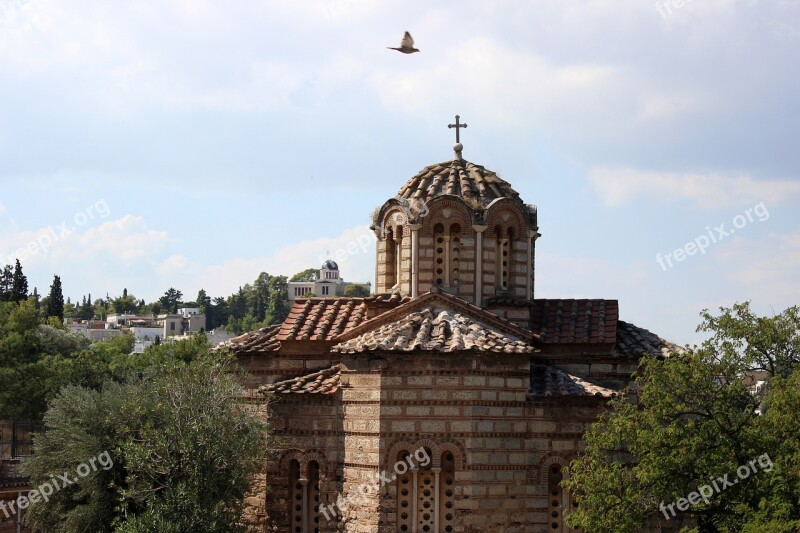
571, 321
436, 321
549, 381
325, 381
635, 342
437, 297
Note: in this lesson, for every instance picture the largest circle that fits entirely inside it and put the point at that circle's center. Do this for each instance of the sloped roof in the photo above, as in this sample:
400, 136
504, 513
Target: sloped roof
322, 318
325, 381
438, 299
254, 342
547, 381
633, 341
473, 183
437, 327
568, 321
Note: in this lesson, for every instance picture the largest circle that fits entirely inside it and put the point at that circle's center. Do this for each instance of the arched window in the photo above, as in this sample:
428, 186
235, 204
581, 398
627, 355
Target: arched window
558, 501
426, 495
447, 255
398, 254
405, 495
295, 501
439, 256
447, 487
455, 254
502, 257
303, 502
312, 498
391, 263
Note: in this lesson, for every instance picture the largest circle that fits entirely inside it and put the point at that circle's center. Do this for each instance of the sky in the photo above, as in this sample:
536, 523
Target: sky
193, 144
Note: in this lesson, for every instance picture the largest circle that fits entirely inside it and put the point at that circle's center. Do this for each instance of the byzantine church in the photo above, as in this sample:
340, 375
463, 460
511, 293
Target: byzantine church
468, 393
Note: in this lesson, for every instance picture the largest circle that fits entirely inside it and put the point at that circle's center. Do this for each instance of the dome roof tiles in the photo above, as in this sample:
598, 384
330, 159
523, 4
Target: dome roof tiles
477, 185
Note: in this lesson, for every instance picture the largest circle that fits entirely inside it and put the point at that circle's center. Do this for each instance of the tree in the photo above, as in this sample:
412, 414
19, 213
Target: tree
356, 290
689, 420
55, 300
171, 300
176, 452
309, 274
278, 308
125, 304
6, 283
19, 284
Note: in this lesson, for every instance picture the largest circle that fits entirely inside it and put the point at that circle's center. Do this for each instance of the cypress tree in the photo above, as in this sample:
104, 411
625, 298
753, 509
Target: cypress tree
6, 283
55, 303
19, 284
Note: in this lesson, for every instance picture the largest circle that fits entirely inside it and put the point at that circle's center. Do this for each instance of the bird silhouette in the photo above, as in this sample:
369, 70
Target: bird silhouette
406, 45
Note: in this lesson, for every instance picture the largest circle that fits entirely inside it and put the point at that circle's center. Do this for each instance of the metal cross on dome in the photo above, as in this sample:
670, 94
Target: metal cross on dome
458, 127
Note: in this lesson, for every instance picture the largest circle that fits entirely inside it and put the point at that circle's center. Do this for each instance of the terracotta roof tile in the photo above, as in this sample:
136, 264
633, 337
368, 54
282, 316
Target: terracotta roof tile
575, 321
633, 341
434, 329
325, 381
254, 342
551, 381
322, 318
474, 183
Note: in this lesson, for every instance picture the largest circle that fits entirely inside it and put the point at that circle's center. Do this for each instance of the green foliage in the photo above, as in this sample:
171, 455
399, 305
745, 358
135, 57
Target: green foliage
184, 451
6, 283
690, 419
356, 291
308, 274
19, 284
55, 300
171, 300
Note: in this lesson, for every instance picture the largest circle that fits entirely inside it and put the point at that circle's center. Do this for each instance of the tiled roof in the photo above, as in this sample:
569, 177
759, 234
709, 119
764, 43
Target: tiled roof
633, 341
392, 298
551, 381
575, 321
434, 329
254, 342
473, 183
322, 318
325, 381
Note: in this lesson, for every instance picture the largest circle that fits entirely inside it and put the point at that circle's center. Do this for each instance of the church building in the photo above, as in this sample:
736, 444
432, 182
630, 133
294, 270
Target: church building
451, 398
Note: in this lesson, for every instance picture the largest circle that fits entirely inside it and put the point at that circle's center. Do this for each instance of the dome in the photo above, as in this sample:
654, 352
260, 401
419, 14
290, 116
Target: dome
330, 265
477, 185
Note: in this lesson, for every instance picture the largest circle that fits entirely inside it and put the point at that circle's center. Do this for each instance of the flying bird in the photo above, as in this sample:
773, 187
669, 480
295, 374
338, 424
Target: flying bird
406, 45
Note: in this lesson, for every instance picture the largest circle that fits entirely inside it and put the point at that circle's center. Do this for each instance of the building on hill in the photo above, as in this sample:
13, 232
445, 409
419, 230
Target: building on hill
451, 398
327, 283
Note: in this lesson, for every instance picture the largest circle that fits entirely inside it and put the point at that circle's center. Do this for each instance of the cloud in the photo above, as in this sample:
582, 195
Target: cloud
126, 239
619, 186
353, 249
764, 269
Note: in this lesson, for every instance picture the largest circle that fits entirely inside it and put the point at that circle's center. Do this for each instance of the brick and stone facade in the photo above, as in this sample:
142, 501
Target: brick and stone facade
451, 399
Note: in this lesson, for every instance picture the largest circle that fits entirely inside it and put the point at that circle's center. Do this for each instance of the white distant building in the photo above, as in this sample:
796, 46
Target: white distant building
187, 320
327, 284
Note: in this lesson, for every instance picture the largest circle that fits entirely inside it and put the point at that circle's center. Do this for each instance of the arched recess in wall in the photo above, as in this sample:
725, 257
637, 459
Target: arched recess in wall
559, 500
507, 228
425, 486
304, 471
392, 233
